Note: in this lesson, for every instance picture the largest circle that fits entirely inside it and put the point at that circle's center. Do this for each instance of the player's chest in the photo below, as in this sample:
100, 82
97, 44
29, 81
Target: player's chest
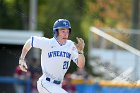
53, 47
58, 52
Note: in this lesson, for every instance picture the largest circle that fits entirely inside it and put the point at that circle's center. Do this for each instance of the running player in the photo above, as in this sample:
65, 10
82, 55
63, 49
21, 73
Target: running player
56, 55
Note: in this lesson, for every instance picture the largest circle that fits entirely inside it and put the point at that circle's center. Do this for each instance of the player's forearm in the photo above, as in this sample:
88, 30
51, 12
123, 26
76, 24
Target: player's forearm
81, 61
25, 49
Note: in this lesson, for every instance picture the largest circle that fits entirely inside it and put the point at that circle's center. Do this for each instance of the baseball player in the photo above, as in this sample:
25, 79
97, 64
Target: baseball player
56, 55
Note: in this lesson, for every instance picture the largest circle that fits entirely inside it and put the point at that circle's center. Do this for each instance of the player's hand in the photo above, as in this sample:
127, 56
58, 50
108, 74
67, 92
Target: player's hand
80, 45
23, 65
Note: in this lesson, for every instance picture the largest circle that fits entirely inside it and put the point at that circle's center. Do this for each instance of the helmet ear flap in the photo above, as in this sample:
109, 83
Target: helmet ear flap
69, 31
56, 33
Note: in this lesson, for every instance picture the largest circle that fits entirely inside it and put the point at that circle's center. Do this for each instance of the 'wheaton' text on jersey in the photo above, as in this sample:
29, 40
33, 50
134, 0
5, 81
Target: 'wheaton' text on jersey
59, 54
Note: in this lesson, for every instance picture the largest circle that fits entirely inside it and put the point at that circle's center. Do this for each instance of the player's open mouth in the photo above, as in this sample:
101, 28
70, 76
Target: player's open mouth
65, 38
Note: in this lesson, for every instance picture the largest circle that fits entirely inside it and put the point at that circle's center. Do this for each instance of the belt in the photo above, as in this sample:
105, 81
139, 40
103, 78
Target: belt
55, 81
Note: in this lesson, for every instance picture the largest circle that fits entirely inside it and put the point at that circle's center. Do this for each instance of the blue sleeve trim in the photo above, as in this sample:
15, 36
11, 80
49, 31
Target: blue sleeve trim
32, 41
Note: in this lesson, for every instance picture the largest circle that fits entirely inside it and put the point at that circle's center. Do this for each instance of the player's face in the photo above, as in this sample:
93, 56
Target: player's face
63, 35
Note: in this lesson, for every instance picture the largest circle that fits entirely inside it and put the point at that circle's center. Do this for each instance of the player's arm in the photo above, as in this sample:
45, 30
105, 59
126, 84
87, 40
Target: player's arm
80, 47
34, 41
81, 61
22, 64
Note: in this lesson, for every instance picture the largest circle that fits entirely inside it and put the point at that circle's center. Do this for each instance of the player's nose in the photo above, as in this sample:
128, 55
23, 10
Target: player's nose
66, 33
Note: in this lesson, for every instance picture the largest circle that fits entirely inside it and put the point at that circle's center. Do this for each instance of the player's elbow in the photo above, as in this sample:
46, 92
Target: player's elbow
81, 64
27, 45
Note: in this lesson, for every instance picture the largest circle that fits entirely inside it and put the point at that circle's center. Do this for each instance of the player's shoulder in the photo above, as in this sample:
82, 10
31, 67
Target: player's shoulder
70, 42
41, 38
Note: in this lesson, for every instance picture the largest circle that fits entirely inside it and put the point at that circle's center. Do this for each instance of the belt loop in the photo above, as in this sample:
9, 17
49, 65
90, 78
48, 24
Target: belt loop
54, 81
48, 79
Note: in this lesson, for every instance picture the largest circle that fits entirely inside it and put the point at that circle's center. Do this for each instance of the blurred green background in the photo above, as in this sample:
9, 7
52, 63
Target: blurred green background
15, 14
40, 15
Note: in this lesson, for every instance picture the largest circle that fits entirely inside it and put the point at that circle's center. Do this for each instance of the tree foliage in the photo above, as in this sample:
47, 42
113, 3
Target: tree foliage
14, 14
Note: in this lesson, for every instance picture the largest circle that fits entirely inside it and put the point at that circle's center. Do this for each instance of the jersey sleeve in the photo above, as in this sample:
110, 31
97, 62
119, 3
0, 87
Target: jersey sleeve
39, 42
74, 54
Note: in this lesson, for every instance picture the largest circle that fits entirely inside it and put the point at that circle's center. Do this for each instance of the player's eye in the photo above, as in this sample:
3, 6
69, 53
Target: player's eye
66, 32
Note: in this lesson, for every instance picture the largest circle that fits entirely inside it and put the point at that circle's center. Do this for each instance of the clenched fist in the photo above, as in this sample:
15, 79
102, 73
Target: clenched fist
23, 65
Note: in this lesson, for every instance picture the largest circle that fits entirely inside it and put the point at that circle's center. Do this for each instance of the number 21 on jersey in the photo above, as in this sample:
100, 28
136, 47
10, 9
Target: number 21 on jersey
65, 64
